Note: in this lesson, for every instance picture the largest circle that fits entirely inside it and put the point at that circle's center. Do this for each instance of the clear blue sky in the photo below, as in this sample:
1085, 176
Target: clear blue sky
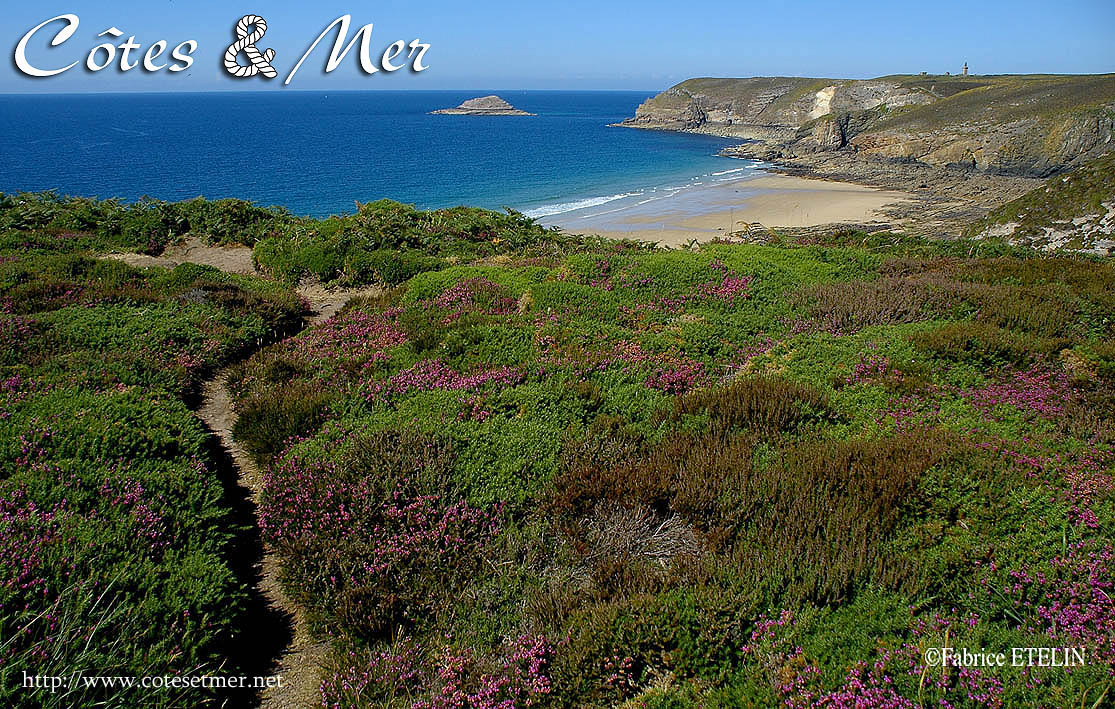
578, 44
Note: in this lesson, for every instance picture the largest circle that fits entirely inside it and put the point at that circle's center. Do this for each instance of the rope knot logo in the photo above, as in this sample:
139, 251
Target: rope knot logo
246, 38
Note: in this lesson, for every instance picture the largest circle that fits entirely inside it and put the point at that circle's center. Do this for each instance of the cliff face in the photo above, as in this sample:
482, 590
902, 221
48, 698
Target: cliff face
1022, 125
764, 107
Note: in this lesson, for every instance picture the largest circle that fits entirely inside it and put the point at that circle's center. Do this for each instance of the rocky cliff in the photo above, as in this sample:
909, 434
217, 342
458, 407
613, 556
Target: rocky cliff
1016, 125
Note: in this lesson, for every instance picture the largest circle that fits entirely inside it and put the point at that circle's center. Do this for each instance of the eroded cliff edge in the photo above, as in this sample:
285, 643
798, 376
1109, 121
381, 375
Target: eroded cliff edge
1028, 126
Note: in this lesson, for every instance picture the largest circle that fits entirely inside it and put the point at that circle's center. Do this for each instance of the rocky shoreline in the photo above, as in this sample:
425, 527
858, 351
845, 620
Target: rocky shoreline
961, 145
944, 200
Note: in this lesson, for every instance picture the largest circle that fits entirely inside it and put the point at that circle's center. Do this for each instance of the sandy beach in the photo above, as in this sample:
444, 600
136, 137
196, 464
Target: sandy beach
706, 211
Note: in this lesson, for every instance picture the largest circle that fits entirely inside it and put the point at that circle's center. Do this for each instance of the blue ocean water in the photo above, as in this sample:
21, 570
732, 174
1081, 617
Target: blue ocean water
315, 153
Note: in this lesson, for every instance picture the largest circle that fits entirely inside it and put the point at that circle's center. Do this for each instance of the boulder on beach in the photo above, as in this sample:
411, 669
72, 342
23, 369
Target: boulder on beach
483, 106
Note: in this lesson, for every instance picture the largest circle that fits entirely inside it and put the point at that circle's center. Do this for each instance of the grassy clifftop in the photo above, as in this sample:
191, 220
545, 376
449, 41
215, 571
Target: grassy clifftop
1003, 98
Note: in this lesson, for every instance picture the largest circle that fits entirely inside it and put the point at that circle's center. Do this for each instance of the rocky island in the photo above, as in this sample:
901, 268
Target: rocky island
483, 106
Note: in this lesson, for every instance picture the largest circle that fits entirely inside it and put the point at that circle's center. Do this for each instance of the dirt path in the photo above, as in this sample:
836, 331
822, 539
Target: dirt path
301, 660
231, 259
325, 302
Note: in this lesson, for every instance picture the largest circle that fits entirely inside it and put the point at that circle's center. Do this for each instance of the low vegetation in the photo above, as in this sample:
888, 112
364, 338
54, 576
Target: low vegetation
382, 242
119, 543
571, 473
731, 476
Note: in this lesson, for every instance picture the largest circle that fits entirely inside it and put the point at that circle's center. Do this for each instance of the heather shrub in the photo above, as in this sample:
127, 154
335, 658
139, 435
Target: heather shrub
983, 345
374, 539
697, 477
716, 476
271, 416
1101, 356
618, 647
815, 519
852, 306
1039, 312
408, 674
117, 536
968, 485
116, 544
1092, 281
766, 405
607, 441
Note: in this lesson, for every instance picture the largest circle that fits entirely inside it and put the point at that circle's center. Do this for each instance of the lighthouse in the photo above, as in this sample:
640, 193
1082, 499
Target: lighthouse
965, 68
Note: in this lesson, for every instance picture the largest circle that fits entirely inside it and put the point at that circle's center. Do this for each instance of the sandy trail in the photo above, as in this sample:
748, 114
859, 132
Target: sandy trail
299, 663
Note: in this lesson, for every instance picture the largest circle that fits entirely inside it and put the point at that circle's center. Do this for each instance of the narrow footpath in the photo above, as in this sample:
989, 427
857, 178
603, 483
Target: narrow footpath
300, 660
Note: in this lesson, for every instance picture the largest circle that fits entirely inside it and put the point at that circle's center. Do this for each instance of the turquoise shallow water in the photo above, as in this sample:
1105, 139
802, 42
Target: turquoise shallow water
317, 153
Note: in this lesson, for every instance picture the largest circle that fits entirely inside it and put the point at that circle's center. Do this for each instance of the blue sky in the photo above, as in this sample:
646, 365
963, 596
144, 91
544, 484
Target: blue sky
578, 44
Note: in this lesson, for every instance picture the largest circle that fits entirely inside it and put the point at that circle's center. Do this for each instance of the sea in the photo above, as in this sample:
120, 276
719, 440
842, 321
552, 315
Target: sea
318, 153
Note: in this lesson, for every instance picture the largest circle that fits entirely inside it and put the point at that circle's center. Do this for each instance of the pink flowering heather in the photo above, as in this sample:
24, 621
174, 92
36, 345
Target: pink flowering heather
129, 494
387, 674
377, 552
871, 369
473, 295
620, 674
678, 378
666, 372
13, 391
448, 679
474, 409
909, 411
1070, 599
520, 681
1036, 391
352, 335
727, 288
744, 354
15, 330
1082, 479
1089, 480
435, 374
1078, 608
888, 681
29, 539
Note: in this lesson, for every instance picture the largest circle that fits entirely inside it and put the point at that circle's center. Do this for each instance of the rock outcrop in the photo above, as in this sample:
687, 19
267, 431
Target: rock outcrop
1032, 126
483, 106
1075, 211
